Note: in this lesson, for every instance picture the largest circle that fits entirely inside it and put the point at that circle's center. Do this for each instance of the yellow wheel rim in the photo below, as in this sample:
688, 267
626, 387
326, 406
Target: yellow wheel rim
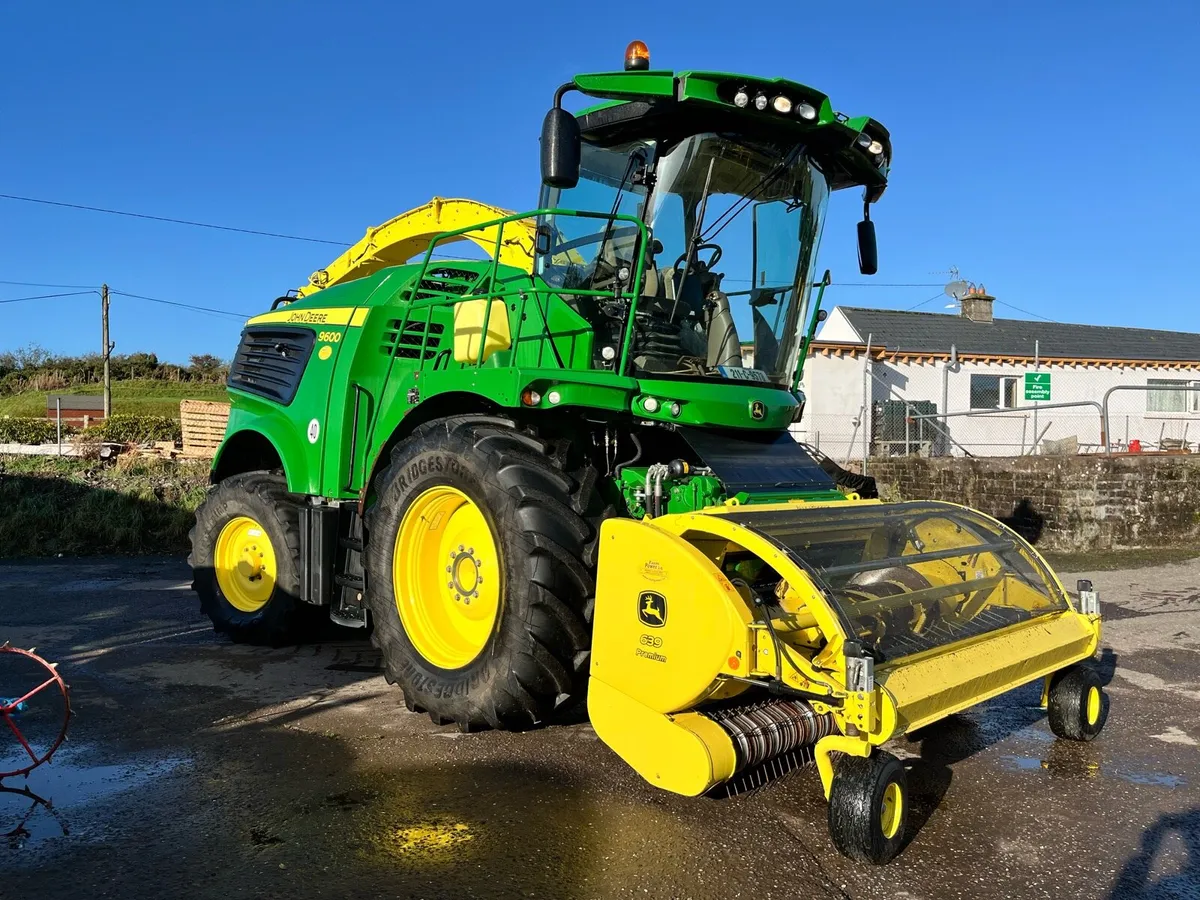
892, 810
446, 577
245, 564
1093, 705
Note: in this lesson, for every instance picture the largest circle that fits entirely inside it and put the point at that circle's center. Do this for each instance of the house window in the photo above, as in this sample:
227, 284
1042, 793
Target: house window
1173, 401
993, 391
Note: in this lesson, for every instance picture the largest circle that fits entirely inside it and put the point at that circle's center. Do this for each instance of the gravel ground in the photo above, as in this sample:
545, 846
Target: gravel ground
197, 768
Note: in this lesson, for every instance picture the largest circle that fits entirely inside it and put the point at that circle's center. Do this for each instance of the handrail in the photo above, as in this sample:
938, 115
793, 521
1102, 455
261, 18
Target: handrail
1021, 411
1010, 410
491, 275
506, 292
359, 390
1104, 432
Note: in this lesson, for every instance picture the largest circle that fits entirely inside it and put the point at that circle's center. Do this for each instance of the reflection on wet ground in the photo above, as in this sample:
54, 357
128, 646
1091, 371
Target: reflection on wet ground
48, 802
1070, 766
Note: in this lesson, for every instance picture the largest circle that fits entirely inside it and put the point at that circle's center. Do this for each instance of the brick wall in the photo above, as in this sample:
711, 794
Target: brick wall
1067, 503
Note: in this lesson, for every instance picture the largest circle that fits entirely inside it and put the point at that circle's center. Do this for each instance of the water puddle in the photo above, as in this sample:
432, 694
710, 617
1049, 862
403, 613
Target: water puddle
43, 806
1156, 778
1023, 763
1074, 766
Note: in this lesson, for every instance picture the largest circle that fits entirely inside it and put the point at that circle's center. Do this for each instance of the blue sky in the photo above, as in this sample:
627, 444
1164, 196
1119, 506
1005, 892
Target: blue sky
1046, 149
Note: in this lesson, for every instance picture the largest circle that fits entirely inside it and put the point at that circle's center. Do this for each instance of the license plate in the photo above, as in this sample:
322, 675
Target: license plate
741, 374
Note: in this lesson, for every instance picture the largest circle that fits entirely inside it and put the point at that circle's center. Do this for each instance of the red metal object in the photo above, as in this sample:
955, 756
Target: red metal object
9, 710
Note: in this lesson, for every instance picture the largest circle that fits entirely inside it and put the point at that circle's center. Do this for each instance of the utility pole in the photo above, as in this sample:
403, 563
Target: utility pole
107, 349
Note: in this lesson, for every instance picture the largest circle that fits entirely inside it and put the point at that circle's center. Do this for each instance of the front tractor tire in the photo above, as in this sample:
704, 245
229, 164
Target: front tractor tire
245, 560
479, 578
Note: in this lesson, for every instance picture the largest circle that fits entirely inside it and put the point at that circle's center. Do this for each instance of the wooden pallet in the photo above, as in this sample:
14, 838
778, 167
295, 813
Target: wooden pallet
160, 450
204, 425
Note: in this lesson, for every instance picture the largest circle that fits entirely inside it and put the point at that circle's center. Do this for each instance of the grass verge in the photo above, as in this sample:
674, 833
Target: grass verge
51, 505
134, 397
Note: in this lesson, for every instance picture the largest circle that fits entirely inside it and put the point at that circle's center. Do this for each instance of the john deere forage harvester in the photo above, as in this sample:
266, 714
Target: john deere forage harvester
563, 467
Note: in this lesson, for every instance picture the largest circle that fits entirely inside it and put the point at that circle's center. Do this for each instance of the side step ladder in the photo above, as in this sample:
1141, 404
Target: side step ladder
348, 608
331, 546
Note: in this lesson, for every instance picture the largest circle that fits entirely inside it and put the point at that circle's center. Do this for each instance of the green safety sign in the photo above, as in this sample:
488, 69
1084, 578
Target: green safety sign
1037, 385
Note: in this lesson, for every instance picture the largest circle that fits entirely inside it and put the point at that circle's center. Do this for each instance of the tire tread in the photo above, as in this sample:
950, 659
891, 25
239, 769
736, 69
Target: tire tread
547, 645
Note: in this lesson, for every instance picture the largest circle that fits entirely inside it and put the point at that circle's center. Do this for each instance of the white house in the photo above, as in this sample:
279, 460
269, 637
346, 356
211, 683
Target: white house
889, 382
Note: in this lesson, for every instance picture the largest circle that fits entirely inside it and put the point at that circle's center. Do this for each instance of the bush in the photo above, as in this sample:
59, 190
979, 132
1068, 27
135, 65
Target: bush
136, 429
15, 430
35, 368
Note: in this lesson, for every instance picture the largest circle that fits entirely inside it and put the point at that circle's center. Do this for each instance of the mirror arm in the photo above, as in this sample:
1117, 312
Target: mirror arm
562, 91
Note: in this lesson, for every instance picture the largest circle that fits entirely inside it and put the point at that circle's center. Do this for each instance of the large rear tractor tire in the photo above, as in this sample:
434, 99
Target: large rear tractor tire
245, 560
479, 576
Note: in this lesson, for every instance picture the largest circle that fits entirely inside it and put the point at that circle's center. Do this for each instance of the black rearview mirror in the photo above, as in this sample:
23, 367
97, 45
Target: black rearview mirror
561, 147
868, 253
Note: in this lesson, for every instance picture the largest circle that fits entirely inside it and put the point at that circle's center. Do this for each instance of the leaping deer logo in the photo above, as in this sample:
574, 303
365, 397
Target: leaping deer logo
652, 609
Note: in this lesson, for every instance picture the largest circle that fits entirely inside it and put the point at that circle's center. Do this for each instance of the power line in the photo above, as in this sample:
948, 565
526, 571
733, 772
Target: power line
880, 284
923, 302
1027, 312
133, 215
862, 284
48, 296
207, 309
44, 284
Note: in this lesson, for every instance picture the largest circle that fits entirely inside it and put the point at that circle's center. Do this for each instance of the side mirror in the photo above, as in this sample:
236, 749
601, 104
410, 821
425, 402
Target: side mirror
561, 147
868, 253
822, 315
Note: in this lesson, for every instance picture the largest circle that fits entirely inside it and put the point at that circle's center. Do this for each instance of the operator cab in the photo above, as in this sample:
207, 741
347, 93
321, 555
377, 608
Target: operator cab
734, 224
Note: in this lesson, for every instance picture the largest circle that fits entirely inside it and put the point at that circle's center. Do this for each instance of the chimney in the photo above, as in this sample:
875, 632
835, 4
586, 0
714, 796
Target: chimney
977, 304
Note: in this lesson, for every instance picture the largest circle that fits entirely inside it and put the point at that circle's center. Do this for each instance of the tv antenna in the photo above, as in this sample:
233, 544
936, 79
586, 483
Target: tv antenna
956, 288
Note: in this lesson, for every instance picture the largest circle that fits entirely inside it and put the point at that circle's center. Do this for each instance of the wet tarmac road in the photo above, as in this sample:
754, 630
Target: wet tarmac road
197, 768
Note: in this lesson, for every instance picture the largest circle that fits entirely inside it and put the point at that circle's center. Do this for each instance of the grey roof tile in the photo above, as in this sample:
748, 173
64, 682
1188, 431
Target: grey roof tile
924, 331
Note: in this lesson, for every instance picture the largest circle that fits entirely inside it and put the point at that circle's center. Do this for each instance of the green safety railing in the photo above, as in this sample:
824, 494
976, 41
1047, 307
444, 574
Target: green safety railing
484, 287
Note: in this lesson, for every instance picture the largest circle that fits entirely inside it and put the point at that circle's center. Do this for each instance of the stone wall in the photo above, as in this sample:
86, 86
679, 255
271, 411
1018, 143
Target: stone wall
1067, 503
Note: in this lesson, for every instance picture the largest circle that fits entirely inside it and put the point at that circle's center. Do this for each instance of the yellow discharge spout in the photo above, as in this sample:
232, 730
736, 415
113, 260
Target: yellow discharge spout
400, 239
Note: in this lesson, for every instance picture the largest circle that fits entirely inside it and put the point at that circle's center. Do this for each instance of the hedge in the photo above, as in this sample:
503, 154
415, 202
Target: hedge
136, 429
16, 430
116, 429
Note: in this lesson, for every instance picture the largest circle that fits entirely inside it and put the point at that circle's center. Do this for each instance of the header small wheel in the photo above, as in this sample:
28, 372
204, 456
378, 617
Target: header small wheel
868, 807
1077, 705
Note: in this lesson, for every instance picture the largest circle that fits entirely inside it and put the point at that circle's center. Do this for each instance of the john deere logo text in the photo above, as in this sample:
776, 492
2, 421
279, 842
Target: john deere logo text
652, 609
758, 410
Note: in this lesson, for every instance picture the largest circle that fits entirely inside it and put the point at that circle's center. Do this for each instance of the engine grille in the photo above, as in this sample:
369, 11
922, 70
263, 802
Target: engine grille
270, 361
